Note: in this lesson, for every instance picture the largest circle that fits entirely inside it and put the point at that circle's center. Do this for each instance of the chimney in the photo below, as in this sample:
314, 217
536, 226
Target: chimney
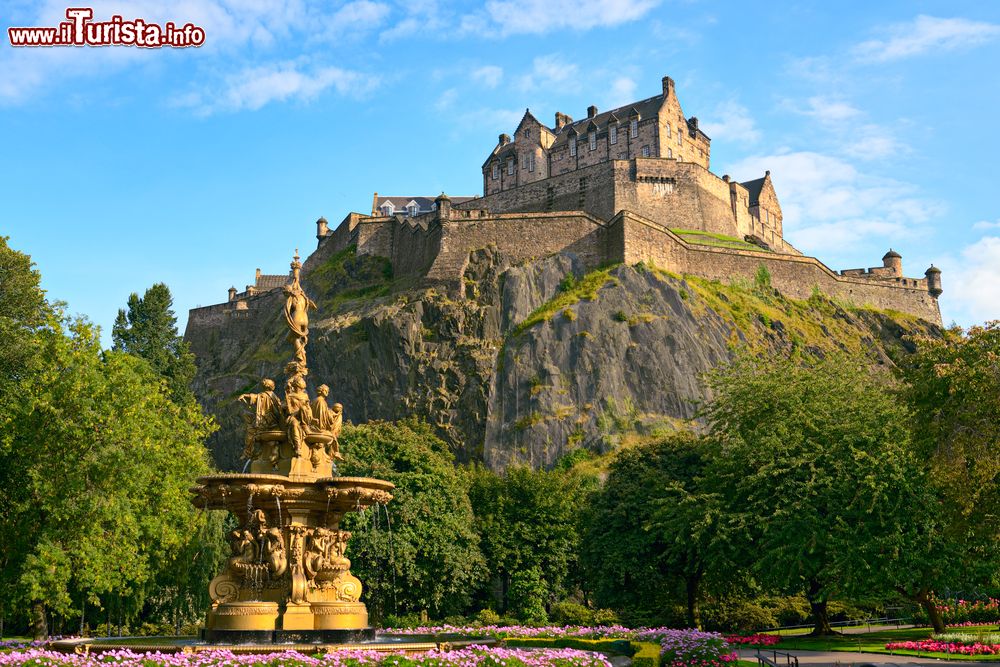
562, 120
257, 276
591, 111
668, 86
694, 123
504, 139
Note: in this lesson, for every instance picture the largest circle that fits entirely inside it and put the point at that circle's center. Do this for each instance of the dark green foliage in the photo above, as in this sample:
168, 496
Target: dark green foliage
526, 519
428, 558
149, 330
815, 466
652, 530
527, 595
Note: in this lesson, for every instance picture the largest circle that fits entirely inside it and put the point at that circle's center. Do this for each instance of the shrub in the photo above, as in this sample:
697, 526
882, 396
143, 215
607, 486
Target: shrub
488, 617
571, 613
606, 617
734, 615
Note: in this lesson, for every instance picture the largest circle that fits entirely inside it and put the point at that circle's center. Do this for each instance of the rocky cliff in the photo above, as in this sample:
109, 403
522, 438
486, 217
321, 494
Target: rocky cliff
532, 361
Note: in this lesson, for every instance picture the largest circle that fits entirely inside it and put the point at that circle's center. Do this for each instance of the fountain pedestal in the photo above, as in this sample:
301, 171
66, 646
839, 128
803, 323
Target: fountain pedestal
288, 570
288, 578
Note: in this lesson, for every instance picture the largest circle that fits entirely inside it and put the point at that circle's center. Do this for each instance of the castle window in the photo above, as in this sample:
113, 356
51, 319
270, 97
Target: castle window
613, 134
496, 171
527, 134
633, 128
666, 129
645, 151
510, 167
572, 146
670, 152
593, 141
531, 162
680, 138
411, 209
388, 208
663, 188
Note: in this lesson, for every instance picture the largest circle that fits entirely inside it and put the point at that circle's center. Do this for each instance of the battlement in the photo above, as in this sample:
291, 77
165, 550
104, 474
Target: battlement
628, 185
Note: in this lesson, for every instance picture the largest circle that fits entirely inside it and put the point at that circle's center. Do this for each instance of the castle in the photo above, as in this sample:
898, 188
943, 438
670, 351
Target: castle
627, 185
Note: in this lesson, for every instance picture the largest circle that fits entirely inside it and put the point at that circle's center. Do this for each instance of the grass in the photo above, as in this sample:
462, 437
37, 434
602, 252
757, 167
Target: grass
764, 317
570, 293
699, 237
872, 642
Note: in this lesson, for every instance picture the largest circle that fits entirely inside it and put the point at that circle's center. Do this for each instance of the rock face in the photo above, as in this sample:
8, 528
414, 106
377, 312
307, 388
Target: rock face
531, 362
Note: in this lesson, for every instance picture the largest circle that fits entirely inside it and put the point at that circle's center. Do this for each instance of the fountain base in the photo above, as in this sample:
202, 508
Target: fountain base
231, 637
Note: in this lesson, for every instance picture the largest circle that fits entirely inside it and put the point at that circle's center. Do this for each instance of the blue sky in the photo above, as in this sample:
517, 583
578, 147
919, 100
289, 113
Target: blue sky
122, 167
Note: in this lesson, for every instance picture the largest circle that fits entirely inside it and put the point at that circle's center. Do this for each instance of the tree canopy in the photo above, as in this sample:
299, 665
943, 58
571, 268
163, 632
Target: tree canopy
420, 552
148, 329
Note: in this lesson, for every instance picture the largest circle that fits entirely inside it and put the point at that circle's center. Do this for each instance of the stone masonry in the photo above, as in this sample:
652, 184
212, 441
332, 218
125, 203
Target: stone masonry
627, 185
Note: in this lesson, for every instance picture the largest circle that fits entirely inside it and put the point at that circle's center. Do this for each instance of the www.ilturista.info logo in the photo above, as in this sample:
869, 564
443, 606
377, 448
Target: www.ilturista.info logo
80, 30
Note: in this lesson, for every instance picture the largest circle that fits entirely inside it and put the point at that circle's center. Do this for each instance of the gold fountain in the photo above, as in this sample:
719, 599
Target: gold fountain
288, 578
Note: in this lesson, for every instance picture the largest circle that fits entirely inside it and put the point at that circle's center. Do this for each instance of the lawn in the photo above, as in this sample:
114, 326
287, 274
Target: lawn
874, 642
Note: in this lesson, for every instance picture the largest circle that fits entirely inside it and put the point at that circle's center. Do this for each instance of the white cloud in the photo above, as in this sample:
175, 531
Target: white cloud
827, 110
986, 224
514, 17
924, 34
447, 100
360, 16
828, 205
622, 91
732, 122
488, 75
254, 87
231, 26
972, 284
550, 70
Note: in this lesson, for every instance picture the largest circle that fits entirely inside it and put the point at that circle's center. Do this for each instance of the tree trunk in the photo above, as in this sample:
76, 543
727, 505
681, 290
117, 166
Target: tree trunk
693, 611
817, 604
929, 604
39, 626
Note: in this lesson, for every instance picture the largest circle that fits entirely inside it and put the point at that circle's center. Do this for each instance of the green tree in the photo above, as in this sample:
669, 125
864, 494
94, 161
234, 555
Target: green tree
652, 528
24, 311
526, 519
148, 329
94, 491
818, 474
953, 390
420, 552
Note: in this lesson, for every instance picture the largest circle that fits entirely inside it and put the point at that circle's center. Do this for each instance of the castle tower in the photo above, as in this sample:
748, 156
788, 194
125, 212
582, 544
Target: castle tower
893, 260
322, 228
232, 294
933, 275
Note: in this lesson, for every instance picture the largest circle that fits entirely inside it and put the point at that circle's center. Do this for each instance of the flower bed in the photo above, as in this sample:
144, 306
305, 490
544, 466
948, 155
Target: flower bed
937, 646
753, 640
470, 657
964, 613
692, 648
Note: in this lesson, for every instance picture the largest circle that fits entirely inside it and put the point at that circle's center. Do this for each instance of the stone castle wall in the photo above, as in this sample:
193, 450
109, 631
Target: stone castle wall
675, 194
795, 276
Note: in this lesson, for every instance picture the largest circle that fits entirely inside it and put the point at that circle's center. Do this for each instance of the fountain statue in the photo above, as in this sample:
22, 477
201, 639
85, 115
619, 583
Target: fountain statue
289, 578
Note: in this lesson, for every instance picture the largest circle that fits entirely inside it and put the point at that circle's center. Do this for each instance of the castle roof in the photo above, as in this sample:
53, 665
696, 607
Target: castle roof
272, 281
644, 109
892, 253
754, 187
424, 204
